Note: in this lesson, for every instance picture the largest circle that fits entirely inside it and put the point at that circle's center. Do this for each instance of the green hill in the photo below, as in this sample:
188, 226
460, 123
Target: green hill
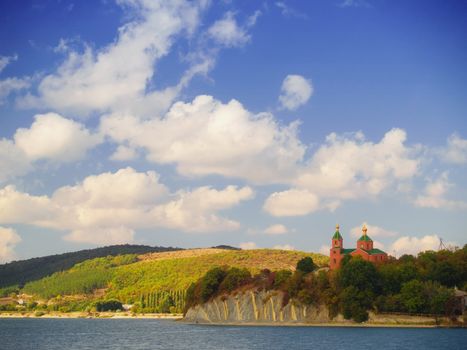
153, 281
131, 278
20, 272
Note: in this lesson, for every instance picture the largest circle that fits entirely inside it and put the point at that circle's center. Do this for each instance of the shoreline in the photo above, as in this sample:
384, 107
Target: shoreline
338, 325
94, 315
179, 318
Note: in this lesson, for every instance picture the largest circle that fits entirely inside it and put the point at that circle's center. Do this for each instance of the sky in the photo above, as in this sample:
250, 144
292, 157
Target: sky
257, 124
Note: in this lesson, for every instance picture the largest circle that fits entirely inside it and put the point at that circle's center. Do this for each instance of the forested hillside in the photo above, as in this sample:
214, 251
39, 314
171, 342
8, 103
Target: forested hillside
20, 272
151, 282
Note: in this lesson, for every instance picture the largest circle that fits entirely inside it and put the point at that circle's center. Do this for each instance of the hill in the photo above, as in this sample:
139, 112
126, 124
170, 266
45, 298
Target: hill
20, 272
148, 280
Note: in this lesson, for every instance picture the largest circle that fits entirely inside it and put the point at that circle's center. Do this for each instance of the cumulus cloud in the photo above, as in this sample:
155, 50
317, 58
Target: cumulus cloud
346, 167
373, 231
434, 195
207, 137
123, 153
248, 245
291, 203
414, 245
13, 161
8, 240
350, 167
227, 32
284, 247
295, 92
116, 76
106, 208
51, 137
277, 229
455, 151
102, 236
56, 138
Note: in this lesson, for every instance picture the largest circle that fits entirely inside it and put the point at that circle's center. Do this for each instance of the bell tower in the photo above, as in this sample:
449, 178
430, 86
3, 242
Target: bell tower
336, 249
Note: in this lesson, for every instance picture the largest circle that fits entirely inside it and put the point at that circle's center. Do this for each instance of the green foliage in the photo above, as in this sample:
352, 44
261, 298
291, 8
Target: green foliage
83, 278
21, 272
210, 283
355, 303
7, 291
281, 277
108, 305
306, 265
413, 298
234, 278
360, 274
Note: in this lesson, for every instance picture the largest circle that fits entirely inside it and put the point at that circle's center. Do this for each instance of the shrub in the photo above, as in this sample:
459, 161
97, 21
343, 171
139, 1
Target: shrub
108, 305
210, 283
306, 265
281, 277
234, 278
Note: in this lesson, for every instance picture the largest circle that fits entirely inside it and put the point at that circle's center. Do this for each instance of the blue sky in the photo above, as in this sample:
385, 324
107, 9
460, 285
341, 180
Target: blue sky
250, 123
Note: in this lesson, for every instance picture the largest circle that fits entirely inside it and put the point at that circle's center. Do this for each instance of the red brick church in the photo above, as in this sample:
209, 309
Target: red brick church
364, 249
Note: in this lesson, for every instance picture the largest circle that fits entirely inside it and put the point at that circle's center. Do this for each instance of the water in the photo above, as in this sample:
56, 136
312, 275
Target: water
138, 334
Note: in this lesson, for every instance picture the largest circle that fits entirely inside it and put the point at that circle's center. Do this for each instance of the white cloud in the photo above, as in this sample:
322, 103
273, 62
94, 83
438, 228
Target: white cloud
8, 240
102, 236
13, 161
325, 249
56, 138
455, 151
373, 231
350, 167
434, 195
124, 153
287, 11
116, 76
9, 85
109, 206
6, 60
291, 203
414, 245
277, 229
295, 92
354, 3
208, 137
284, 247
227, 32
248, 245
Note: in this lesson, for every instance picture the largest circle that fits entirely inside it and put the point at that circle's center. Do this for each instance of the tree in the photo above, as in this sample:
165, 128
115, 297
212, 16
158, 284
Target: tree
234, 278
210, 283
413, 298
306, 265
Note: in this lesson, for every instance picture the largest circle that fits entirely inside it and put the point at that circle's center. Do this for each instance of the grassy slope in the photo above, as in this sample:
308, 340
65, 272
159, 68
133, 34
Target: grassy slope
178, 273
21, 272
127, 279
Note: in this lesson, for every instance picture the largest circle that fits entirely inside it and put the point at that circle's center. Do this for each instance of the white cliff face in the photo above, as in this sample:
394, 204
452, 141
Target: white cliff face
256, 307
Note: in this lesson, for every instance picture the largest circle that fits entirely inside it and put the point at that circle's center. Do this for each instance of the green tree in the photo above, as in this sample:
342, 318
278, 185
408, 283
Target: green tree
210, 283
306, 265
413, 298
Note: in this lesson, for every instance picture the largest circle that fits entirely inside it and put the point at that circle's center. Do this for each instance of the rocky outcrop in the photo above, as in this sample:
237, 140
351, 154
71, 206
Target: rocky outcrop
256, 307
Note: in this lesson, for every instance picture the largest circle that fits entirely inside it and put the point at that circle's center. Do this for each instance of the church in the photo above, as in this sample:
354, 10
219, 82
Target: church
364, 249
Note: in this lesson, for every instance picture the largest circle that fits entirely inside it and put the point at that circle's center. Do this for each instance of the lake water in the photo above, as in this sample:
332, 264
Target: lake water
116, 334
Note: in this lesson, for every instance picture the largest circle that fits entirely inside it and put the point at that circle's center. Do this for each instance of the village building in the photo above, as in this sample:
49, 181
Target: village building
364, 249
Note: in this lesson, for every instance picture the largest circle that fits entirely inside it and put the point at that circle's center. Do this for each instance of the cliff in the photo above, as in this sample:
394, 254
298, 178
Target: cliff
256, 307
